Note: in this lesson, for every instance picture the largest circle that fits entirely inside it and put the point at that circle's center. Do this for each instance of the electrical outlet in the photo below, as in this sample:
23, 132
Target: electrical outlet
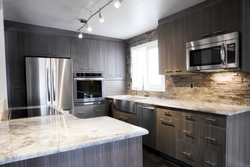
192, 85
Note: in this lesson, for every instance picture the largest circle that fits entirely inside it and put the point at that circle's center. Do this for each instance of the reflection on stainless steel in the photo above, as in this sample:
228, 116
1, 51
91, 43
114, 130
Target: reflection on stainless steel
49, 82
16, 113
205, 56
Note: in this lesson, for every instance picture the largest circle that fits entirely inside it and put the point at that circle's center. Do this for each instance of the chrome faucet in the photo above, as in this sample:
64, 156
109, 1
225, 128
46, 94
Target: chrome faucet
142, 77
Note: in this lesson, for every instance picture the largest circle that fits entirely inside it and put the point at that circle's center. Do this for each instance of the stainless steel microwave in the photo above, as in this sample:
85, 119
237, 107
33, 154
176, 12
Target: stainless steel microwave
213, 54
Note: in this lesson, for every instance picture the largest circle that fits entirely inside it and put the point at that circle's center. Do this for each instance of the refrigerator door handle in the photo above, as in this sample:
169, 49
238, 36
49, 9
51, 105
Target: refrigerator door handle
48, 89
54, 95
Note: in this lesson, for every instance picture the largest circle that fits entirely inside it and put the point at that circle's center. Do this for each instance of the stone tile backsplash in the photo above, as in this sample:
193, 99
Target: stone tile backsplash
222, 87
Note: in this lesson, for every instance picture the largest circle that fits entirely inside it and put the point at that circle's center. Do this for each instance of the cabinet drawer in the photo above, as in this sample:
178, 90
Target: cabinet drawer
187, 115
188, 132
213, 138
212, 119
199, 157
167, 112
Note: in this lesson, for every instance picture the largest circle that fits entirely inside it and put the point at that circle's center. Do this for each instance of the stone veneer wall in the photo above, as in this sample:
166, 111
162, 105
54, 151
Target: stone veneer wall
224, 87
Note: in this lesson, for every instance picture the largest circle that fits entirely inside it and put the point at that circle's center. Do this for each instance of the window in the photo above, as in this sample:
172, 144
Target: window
145, 68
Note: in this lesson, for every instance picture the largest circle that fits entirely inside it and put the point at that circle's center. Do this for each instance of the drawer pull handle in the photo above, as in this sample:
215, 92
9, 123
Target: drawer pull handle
178, 71
168, 114
204, 35
187, 132
209, 138
210, 163
164, 122
210, 119
183, 152
169, 71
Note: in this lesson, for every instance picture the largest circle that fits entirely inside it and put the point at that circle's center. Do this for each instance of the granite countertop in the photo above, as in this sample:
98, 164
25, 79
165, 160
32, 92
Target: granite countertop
27, 138
215, 108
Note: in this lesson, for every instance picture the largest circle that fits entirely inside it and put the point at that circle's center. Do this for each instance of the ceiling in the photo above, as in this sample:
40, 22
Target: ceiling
134, 17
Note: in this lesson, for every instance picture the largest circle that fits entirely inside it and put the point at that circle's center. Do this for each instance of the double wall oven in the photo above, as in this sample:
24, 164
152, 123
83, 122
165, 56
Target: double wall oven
88, 88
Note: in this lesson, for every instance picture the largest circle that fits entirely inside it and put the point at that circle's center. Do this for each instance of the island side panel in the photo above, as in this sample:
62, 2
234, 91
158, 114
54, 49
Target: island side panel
121, 153
238, 140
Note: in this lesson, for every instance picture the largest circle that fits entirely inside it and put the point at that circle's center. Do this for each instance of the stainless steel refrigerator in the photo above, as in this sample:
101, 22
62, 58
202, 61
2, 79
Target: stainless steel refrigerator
49, 81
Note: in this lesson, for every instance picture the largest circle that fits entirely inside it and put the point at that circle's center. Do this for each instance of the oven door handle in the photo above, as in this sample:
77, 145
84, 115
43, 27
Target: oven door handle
223, 53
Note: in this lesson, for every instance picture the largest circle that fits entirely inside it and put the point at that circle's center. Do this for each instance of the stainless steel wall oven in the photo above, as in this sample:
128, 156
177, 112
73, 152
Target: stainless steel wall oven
88, 88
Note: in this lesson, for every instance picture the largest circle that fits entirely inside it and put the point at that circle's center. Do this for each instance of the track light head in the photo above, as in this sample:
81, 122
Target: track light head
80, 35
88, 28
101, 19
118, 3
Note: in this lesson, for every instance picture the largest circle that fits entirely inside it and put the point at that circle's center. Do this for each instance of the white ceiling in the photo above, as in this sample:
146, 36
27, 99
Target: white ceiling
134, 17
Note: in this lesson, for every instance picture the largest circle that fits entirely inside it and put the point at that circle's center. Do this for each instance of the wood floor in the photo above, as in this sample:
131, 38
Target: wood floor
152, 158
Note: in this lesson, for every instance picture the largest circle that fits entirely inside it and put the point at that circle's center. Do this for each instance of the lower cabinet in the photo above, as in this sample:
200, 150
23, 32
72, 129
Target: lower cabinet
197, 156
195, 138
126, 117
89, 111
166, 135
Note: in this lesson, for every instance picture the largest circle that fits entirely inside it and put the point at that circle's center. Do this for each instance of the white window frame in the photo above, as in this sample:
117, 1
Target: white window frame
147, 86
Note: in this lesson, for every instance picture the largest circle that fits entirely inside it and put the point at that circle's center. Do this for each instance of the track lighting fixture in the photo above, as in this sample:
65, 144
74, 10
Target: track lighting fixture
118, 3
101, 19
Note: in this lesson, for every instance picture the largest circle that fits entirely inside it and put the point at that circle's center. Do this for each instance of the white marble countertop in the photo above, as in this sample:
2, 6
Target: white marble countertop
27, 138
215, 108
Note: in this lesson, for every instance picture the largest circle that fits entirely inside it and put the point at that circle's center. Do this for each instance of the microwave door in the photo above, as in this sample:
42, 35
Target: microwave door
212, 56
232, 53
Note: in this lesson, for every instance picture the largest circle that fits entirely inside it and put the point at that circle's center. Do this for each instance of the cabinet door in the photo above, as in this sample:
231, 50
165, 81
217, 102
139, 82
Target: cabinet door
15, 69
129, 118
79, 54
35, 45
110, 60
233, 15
200, 24
165, 45
120, 60
96, 55
166, 135
98, 110
63, 47
180, 29
82, 111
219, 20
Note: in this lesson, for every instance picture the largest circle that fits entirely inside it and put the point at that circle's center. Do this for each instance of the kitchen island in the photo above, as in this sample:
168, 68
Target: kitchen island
64, 140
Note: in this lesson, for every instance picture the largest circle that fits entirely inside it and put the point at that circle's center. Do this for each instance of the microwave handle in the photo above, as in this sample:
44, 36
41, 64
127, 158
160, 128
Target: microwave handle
223, 53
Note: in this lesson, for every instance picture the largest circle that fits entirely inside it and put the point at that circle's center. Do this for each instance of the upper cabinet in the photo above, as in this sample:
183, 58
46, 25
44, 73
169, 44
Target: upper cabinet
198, 22
115, 64
46, 46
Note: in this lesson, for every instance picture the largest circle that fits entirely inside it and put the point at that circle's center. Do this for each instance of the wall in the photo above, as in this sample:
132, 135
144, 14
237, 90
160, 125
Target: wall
3, 86
224, 87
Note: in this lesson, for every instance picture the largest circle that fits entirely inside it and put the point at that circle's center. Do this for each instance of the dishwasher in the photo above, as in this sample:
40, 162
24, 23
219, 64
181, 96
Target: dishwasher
146, 118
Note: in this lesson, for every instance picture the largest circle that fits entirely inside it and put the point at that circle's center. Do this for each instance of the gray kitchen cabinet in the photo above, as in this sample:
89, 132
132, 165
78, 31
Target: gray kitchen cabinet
96, 55
120, 60
15, 69
200, 24
165, 46
180, 29
166, 135
46, 46
125, 117
80, 54
89, 111
110, 59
